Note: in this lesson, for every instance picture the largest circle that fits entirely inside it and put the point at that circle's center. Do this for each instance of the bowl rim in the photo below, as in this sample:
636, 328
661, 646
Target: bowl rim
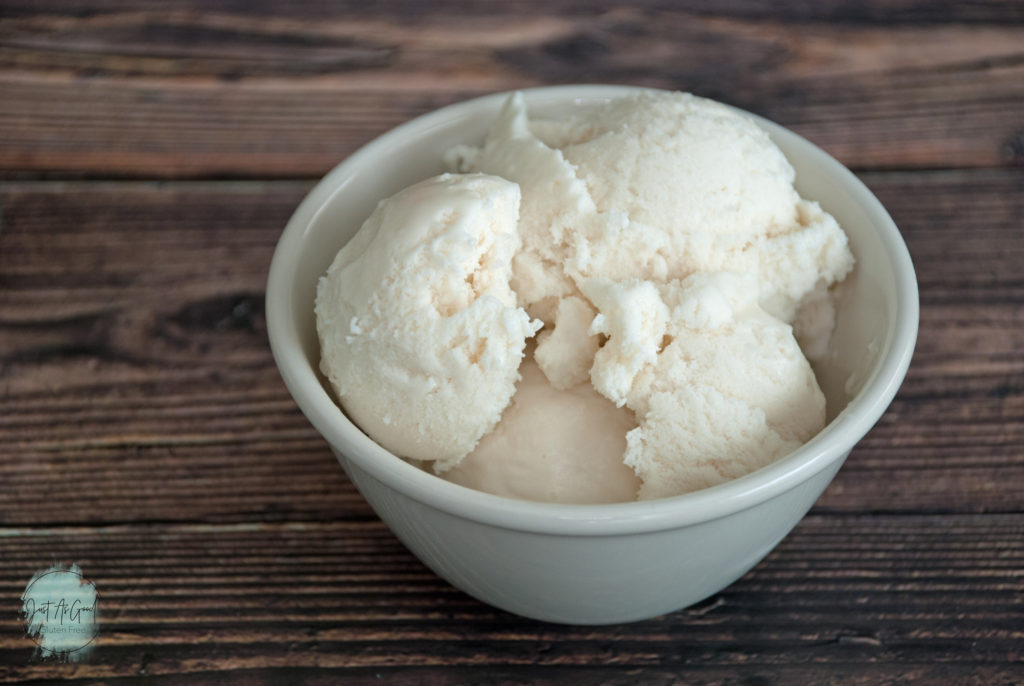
833, 443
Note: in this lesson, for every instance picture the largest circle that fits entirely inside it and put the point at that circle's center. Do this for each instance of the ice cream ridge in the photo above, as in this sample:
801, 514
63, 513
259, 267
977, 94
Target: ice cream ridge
618, 305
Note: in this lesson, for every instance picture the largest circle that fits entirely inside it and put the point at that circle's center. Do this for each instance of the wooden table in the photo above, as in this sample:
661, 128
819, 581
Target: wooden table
151, 155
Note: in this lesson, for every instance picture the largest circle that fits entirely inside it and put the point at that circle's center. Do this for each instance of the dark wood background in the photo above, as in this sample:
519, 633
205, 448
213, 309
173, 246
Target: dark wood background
150, 154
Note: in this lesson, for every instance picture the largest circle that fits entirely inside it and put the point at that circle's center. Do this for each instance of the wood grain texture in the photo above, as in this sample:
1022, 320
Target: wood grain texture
192, 90
254, 600
153, 152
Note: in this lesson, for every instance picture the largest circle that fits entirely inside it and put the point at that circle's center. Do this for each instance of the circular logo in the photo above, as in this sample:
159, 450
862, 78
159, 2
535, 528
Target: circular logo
61, 612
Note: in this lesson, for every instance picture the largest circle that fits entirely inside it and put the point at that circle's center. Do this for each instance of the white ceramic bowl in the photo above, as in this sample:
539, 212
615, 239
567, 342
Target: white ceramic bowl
593, 564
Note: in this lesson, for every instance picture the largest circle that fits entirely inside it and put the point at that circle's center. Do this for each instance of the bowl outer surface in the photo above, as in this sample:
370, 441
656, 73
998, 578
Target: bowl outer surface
882, 327
593, 579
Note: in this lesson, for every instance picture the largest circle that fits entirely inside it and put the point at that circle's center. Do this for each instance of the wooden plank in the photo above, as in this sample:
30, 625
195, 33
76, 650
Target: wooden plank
833, 11
907, 594
109, 89
836, 11
136, 383
855, 673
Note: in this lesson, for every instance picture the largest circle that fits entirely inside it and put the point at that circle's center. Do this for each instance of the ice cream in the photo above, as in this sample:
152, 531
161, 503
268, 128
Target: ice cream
420, 334
728, 390
561, 446
658, 245
656, 187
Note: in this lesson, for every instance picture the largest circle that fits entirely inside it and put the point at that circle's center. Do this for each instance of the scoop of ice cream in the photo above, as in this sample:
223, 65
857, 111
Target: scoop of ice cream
683, 165
559, 446
655, 187
420, 335
727, 392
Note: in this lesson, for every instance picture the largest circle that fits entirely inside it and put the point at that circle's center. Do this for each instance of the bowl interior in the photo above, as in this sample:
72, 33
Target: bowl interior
876, 317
